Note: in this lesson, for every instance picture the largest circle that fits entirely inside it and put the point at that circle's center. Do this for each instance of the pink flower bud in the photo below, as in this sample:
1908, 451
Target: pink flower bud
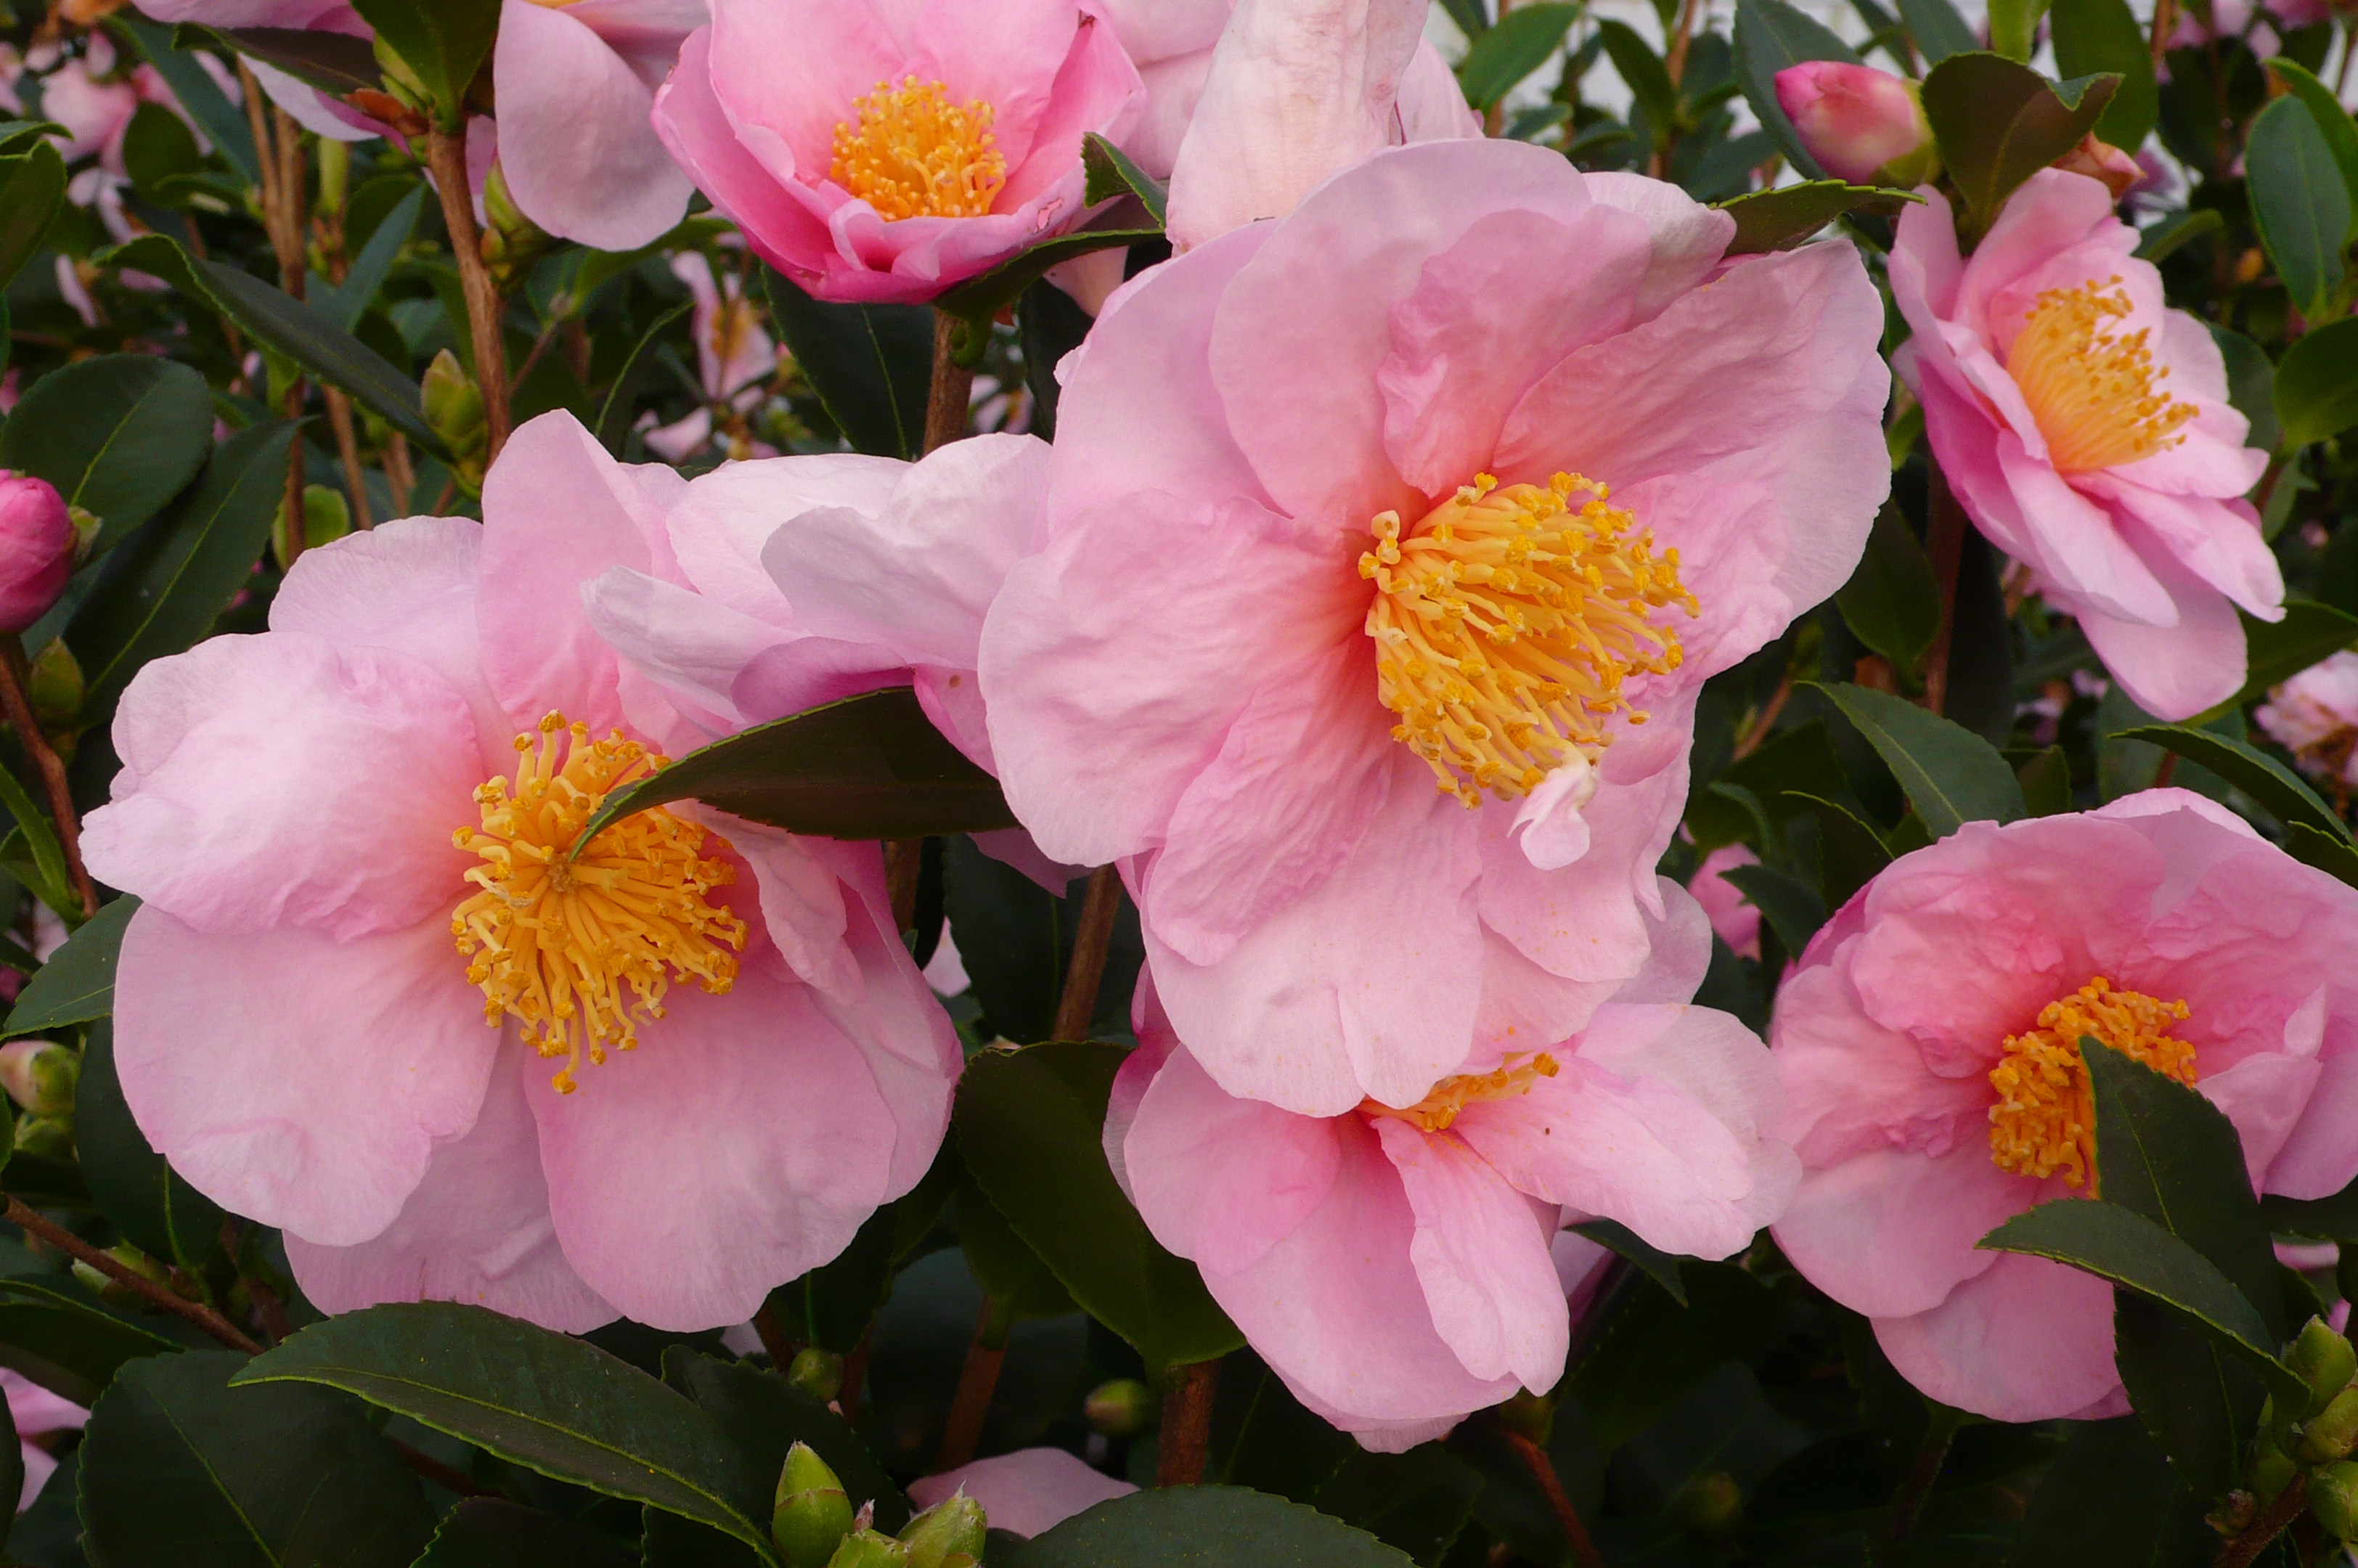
1853, 119
37, 550
2102, 160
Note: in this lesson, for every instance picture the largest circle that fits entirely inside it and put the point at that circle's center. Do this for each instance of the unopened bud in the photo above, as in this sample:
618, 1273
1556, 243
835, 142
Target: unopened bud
1123, 1408
818, 1373
2333, 1499
453, 405
867, 1549
2332, 1432
2102, 160
2271, 1473
1864, 125
1529, 1415
812, 1514
2324, 1361
48, 1137
114, 1292
399, 79
1710, 1506
511, 242
54, 682
37, 550
40, 1075
948, 1535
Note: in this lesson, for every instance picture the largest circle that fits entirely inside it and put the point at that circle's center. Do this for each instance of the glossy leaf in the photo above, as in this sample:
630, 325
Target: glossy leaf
2112, 1498
135, 1187
492, 1533
32, 187
2333, 122
540, 1399
1769, 37
334, 62
1645, 74
1792, 908
1998, 121
1938, 28
978, 301
1517, 44
1192, 1527
51, 1332
1892, 602
2251, 385
1031, 1125
1660, 1267
1111, 173
867, 767
1652, 1352
182, 1469
49, 880
444, 41
2299, 201
223, 123
2093, 36
2257, 774
345, 303
1851, 853
1019, 1282
78, 982
2169, 234
2317, 383
1418, 1501
118, 436
2046, 779
613, 427
2014, 27
1952, 775
2333, 855
1780, 219
871, 364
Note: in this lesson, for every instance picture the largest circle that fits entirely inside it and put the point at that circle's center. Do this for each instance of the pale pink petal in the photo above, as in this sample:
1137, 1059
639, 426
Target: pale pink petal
2025, 1340
1687, 237
1892, 1232
695, 647
574, 142
2173, 671
1024, 1493
721, 526
701, 138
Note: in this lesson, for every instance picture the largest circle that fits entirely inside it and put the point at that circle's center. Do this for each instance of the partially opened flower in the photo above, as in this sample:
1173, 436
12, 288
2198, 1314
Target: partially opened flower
451, 1053
2315, 717
877, 151
2085, 427
1385, 546
1393, 1264
1024, 1493
1930, 1043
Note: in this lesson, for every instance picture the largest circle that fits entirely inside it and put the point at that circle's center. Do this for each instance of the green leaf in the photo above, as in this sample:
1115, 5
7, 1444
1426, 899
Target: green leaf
2330, 1218
2181, 229
492, 1533
1031, 1124
2112, 1498
51, 883
1111, 173
1998, 123
613, 427
1938, 30
1195, 1527
551, 1404
872, 365
223, 123
1648, 79
335, 64
1892, 603
182, 1469
2298, 202
2046, 779
1780, 219
1652, 1352
1659, 1266
1771, 35
1016, 939
302, 332
2279, 650
2317, 383
1517, 45
2093, 36
58, 1338
345, 303
161, 589
1018, 1280
2334, 856
1952, 775
1792, 908
158, 146
78, 982
978, 301
32, 188
2276, 788
1851, 853
2251, 382
872, 766
2014, 27
135, 1187
118, 436
445, 42
1418, 1501
2333, 121
1472, 16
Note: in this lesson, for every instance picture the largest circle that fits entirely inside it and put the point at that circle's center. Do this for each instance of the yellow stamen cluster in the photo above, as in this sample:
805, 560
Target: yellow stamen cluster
557, 937
909, 152
2097, 396
1436, 1110
1506, 622
2045, 1118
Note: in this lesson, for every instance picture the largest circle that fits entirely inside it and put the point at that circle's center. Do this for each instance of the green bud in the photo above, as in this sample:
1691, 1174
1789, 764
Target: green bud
51, 1137
56, 685
818, 1373
948, 1535
453, 405
113, 1294
335, 164
1123, 1408
2324, 1361
399, 80
812, 1514
327, 517
511, 242
868, 1548
41, 1075
1710, 1505
86, 525
2271, 1473
2332, 1432
2333, 1499
1529, 1415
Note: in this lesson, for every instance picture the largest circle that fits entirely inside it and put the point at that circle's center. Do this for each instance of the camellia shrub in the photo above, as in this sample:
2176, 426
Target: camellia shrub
858, 784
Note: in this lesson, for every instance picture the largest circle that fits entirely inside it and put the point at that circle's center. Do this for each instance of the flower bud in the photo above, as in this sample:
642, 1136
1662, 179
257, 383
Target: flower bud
453, 405
511, 242
40, 1075
2324, 1361
812, 1514
2332, 1432
1864, 125
1710, 1506
2102, 160
54, 682
948, 1535
115, 1295
37, 550
818, 1373
2271, 1471
2333, 1499
867, 1549
49, 1137
1123, 1408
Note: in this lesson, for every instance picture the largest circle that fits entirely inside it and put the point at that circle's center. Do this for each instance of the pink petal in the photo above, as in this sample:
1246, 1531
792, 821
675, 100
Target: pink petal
2173, 671
701, 137
1095, 89
2026, 1340
1686, 237
722, 525
788, 73
574, 142
1024, 1493
1893, 1232
693, 647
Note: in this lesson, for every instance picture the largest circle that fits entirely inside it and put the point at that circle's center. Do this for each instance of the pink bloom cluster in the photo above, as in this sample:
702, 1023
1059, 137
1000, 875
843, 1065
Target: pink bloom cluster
2315, 717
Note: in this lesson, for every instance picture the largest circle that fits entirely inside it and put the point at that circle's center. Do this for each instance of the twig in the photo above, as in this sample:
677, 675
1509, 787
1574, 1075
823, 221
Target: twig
1944, 541
348, 449
774, 1341
441, 1475
446, 155
1932, 1453
1674, 63
978, 1380
1749, 742
1078, 1004
855, 1373
1542, 1469
2286, 1508
139, 1284
2165, 22
1186, 1440
951, 389
398, 474
46, 762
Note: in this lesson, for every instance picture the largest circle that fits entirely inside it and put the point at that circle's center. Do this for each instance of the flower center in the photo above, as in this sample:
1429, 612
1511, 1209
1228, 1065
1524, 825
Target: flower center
1436, 1110
557, 937
910, 151
1504, 623
2097, 396
2045, 1118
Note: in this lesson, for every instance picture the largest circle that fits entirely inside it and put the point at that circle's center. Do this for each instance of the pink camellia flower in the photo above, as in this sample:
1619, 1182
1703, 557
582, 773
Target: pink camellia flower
2085, 429
1734, 920
1392, 1264
1930, 1044
1473, 481
1854, 119
37, 550
733, 356
36, 1412
1025, 1493
2315, 717
359, 1001
874, 151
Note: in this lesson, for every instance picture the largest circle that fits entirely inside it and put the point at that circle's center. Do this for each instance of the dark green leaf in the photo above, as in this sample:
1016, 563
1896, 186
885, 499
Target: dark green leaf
1111, 173
2198, 1403
302, 332
1771, 35
978, 301
32, 187
1998, 123
2317, 383
78, 982
2328, 852
2166, 236
2299, 201
1031, 1125
2257, 774
224, 126
135, 1187
2333, 121
1938, 30
1016, 939
1892, 603
444, 41
492, 1533
1263, 1437
182, 1469
1199, 1527
614, 427
12, 1467
337, 63
872, 365
2251, 385
43, 865
53, 1333
1792, 908
160, 591
2112, 1498
2333, 1219
1418, 1501
1019, 1280
535, 1399
2092, 36
119, 436
1851, 853
1515, 46
1952, 775
1780, 219
1472, 16
1643, 70
2046, 779
1660, 1267
1653, 1352
872, 766
158, 146
832, 1305
2279, 650
349, 301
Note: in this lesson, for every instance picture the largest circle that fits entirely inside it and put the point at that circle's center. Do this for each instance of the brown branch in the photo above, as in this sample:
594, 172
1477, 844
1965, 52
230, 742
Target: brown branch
398, 474
855, 1373
441, 1475
1932, 1453
1674, 63
348, 449
1078, 1004
951, 389
1944, 541
1185, 1441
978, 1380
18, 704
2165, 22
131, 1279
1542, 1469
446, 157
2286, 1508
1749, 742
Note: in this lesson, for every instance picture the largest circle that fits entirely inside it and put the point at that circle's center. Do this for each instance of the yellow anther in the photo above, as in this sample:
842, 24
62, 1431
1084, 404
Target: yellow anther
909, 152
2097, 396
1436, 1110
2045, 1118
